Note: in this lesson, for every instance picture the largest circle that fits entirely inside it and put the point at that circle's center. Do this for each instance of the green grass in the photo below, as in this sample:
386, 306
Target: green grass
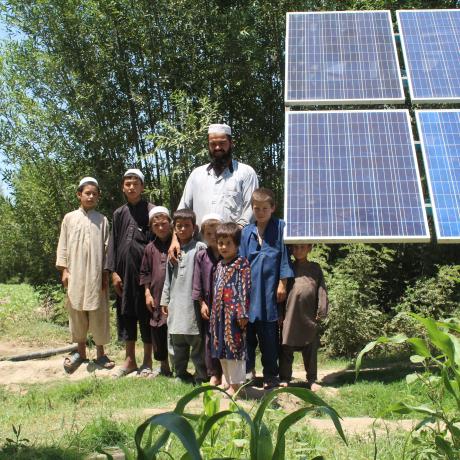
85, 415
69, 420
23, 320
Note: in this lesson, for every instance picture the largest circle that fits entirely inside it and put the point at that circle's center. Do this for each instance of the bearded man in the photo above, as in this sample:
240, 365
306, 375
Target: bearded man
224, 186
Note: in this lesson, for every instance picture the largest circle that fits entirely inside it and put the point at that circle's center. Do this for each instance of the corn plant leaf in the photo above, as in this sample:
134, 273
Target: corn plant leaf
420, 347
456, 343
403, 408
439, 338
284, 425
451, 387
264, 443
182, 403
175, 424
397, 339
302, 393
210, 423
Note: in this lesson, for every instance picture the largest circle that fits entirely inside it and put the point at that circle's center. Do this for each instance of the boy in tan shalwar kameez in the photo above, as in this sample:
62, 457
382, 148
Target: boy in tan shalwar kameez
81, 256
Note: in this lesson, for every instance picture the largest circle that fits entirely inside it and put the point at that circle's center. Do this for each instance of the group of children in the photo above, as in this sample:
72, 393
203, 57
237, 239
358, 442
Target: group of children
226, 294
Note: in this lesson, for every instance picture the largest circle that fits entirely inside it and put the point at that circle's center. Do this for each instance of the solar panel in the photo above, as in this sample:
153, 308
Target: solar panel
346, 57
440, 140
430, 41
352, 176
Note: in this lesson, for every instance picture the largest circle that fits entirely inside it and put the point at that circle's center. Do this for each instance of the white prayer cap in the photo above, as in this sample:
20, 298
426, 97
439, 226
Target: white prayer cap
211, 216
158, 210
88, 180
135, 172
220, 128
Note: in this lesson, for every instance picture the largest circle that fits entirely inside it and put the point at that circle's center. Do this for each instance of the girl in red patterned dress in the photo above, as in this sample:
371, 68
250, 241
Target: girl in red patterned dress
230, 307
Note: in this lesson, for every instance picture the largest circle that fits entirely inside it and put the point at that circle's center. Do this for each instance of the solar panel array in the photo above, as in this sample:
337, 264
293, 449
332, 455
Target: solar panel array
346, 57
352, 176
430, 41
440, 139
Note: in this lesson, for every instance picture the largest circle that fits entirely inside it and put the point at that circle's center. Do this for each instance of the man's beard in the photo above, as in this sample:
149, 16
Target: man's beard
223, 160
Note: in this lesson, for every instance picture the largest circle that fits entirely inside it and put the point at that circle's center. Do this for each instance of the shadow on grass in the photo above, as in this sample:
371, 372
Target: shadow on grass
41, 453
380, 369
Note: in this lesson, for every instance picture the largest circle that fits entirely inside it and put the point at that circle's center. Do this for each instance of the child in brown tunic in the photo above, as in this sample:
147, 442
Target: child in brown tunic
306, 305
152, 277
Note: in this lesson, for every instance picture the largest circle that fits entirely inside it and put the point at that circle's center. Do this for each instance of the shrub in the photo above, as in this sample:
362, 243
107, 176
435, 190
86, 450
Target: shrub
437, 436
437, 297
357, 307
52, 303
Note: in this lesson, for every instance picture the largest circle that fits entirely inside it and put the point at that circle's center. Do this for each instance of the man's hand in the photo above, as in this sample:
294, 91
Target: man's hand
174, 250
281, 292
242, 322
117, 283
105, 280
164, 309
65, 278
204, 310
149, 303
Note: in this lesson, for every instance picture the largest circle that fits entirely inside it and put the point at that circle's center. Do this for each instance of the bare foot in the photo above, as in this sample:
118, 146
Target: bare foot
315, 387
215, 380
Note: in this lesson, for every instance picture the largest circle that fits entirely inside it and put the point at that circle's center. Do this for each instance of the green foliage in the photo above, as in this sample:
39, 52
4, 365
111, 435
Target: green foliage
357, 312
437, 436
13, 445
178, 423
437, 296
182, 138
52, 304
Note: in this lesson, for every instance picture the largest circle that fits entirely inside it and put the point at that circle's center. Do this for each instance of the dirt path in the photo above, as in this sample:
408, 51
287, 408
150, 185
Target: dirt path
13, 375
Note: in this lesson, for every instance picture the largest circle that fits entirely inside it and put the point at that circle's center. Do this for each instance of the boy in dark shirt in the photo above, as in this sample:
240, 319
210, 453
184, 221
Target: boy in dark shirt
153, 273
130, 235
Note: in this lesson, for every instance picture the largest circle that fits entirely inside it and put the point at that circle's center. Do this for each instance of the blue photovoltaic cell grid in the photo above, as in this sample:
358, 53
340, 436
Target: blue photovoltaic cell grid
352, 176
431, 45
343, 56
440, 138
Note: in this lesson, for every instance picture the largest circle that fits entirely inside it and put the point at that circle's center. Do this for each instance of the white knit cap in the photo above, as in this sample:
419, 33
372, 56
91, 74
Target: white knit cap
88, 180
158, 210
135, 172
211, 216
220, 128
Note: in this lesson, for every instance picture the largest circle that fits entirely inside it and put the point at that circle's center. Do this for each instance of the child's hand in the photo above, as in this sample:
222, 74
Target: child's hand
117, 284
149, 303
65, 278
164, 309
281, 292
105, 281
174, 251
242, 322
204, 311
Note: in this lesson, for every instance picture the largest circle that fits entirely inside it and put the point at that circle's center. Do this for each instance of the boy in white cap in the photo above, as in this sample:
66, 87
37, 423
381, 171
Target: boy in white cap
130, 235
152, 277
81, 254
